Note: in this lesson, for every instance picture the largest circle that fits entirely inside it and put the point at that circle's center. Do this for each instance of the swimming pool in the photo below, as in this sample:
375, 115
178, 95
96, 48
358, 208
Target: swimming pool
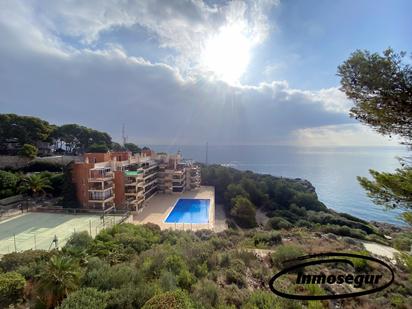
189, 211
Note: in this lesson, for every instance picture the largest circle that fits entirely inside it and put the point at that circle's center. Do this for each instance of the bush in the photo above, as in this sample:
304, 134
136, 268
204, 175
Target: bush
99, 148
8, 184
278, 223
244, 212
172, 300
309, 201
132, 295
343, 231
79, 241
262, 300
12, 261
284, 253
206, 292
86, 298
403, 241
11, 288
42, 166
28, 151
267, 238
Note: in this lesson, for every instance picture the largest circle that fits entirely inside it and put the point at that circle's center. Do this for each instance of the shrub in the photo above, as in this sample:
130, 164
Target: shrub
132, 295
8, 184
99, 148
11, 288
403, 241
172, 300
232, 295
343, 231
86, 298
12, 261
235, 277
168, 281
262, 300
206, 292
360, 264
42, 166
79, 241
278, 223
284, 253
267, 238
244, 212
309, 201
28, 151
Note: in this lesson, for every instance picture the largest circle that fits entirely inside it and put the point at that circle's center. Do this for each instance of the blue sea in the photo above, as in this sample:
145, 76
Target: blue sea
332, 171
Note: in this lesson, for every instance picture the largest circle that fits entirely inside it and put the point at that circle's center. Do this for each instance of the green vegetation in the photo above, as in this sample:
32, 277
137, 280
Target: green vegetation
287, 203
35, 184
89, 298
28, 151
140, 266
132, 147
77, 139
23, 130
8, 184
381, 87
102, 148
11, 288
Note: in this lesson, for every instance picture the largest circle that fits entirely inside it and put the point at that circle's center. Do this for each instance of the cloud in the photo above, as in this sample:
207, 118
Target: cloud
342, 135
53, 67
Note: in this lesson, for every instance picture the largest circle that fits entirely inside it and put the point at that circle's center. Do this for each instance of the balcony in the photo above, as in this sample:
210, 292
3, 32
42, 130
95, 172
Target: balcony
101, 197
101, 185
100, 176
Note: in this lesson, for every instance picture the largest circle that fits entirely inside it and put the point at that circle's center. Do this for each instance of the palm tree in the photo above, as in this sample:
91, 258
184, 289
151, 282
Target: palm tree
35, 184
60, 277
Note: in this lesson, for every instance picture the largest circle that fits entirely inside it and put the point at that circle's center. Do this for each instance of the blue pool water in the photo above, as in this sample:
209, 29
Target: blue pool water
190, 211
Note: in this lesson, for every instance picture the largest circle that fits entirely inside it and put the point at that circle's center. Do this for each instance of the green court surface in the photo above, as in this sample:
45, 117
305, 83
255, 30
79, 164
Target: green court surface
37, 230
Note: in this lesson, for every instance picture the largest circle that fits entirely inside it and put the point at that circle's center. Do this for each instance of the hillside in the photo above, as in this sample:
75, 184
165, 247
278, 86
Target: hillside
286, 202
131, 266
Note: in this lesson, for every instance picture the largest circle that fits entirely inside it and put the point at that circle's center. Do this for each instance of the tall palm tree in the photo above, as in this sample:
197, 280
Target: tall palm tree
60, 277
35, 184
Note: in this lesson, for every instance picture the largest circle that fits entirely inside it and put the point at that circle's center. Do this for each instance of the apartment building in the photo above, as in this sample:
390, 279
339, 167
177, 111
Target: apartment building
123, 180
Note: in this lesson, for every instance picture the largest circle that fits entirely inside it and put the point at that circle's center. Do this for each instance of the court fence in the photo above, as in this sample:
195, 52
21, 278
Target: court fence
47, 240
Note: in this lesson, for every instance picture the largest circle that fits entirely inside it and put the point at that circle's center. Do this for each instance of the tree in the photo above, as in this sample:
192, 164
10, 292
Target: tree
11, 288
132, 147
78, 138
117, 147
243, 211
381, 88
35, 184
28, 151
392, 190
60, 277
69, 189
86, 298
101, 148
23, 129
8, 184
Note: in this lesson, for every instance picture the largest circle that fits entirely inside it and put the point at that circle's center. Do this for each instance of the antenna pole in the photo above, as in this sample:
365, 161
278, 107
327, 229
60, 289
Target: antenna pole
207, 150
124, 134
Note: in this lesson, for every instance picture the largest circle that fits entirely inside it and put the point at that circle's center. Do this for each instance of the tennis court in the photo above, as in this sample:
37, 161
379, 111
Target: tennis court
38, 230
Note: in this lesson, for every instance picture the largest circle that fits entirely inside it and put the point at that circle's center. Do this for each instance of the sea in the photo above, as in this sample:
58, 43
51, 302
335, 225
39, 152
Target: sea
332, 171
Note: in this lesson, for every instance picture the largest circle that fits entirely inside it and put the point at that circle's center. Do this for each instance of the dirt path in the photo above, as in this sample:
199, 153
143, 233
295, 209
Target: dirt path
381, 250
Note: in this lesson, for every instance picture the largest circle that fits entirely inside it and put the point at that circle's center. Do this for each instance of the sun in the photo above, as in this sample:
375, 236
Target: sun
226, 55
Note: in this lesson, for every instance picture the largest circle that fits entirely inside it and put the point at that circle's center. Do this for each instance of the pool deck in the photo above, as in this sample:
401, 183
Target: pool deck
159, 206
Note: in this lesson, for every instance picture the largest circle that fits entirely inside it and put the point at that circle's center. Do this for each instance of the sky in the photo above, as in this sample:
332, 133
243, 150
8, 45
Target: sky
190, 72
